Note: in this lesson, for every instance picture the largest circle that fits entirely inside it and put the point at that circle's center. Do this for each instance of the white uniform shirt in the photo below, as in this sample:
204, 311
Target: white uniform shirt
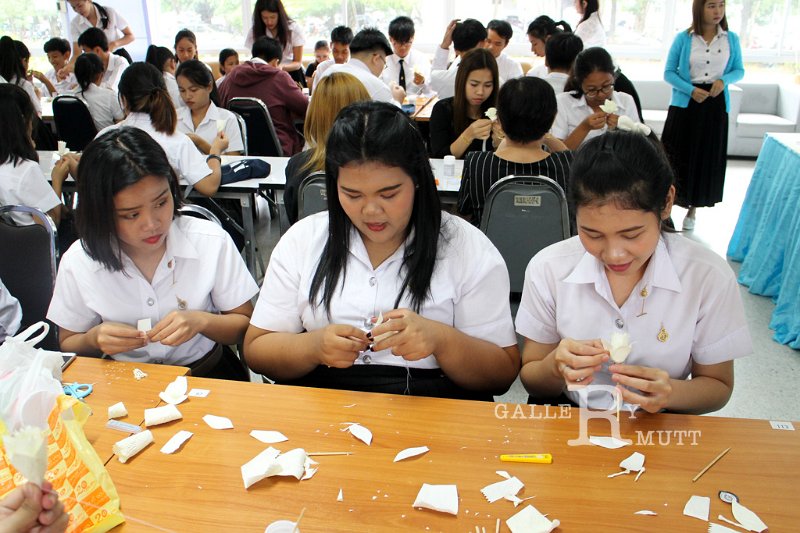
29, 90
183, 155
297, 39
103, 104
443, 77
173, 90
321, 68
113, 73
572, 111
557, 80
473, 300
201, 268
25, 184
10, 314
113, 31
692, 295
208, 126
591, 32
376, 88
539, 71
508, 67
414, 61
66, 86
707, 61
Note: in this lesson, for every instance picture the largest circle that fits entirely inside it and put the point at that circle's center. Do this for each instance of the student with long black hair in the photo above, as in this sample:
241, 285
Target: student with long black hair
539, 31
271, 20
90, 14
590, 27
102, 102
384, 249
163, 59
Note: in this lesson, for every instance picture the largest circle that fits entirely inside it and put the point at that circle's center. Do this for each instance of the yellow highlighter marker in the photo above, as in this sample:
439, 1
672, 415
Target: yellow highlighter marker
540, 458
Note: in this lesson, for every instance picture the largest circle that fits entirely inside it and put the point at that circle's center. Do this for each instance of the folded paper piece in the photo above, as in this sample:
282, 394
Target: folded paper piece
608, 442
491, 114
62, 148
609, 106
218, 422
272, 462
442, 498
175, 392
359, 432
220, 125
130, 446
256, 468
747, 518
502, 489
161, 415
530, 520
646, 512
117, 410
139, 374
626, 123
144, 325
27, 450
410, 452
268, 437
340, 497
619, 347
633, 463
176, 441
697, 507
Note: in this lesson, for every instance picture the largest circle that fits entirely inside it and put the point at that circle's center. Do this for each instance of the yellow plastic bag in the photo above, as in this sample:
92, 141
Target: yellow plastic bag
75, 470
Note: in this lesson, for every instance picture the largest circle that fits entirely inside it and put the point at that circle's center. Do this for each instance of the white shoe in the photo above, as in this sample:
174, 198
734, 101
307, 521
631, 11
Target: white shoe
688, 224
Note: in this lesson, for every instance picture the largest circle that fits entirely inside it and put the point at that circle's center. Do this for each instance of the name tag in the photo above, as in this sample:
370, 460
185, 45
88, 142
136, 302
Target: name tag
527, 201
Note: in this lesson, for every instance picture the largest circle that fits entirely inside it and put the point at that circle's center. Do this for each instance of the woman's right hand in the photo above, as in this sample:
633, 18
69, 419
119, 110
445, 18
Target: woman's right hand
480, 129
699, 95
220, 143
60, 170
112, 338
338, 345
576, 361
596, 121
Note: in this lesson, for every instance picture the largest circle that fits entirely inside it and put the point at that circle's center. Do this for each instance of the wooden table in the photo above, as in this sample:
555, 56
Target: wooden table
199, 488
424, 108
113, 382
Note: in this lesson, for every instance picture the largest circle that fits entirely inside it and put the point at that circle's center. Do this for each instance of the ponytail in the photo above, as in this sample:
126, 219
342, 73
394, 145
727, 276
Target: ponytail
16, 116
142, 86
162, 113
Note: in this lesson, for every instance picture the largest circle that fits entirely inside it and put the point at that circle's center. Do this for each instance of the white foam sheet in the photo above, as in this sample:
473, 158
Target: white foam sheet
530, 520
502, 489
117, 410
176, 441
130, 446
257, 468
718, 528
175, 392
268, 437
442, 498
747, 518
410, 452
609, 443
271, 462
697, 507
161, 415
359, 432
218, 422
619, 347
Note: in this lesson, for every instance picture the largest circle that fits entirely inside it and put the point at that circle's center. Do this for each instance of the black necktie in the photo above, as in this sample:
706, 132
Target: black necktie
402, 81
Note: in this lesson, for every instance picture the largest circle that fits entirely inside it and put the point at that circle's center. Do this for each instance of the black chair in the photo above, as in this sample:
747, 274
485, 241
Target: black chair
28, 268
74, 123
243, 131
522, 215
312, 195
198, 211
261, 137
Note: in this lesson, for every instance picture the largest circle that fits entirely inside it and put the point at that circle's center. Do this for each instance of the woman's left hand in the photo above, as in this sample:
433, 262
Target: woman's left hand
716, 88
412, 336
178, 327
611, 120
654, 384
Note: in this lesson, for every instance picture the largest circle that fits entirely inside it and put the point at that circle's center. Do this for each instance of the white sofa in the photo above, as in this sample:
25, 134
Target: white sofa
756, 108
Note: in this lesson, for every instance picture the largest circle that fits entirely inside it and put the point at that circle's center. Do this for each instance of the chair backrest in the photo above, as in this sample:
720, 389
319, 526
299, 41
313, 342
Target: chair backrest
261, 137
522, 215
74, 123
28, 268
198, 211
243, 131
312, 195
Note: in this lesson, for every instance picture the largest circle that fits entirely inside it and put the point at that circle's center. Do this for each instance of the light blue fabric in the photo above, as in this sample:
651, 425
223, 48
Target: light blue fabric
767, 235
676, 70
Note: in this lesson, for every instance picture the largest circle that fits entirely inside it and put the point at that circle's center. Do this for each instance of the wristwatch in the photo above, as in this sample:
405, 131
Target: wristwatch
214, 156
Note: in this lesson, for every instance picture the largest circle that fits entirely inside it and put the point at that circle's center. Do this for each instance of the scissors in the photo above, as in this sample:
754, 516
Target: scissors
78, 390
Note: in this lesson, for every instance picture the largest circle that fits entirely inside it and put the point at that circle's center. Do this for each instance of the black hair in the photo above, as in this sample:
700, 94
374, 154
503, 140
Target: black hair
158, 56
476, 59
402, 29
468, 34
284, 34
501, 28
381, 133
627, 168
267, 49
57, 44
561, 49
371, 40
22, 50
543, 27
189, 35
197, 72
526, 107
110, 163
87, 67
342, 35
321, 44
224, 54
142, 86
10, 63
592, 6
16, 117
92, 38
594, 59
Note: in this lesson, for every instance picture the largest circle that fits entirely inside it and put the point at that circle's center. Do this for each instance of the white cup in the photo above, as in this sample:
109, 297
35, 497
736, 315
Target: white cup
281, 526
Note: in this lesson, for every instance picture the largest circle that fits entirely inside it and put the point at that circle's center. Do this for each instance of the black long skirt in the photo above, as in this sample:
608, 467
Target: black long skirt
696, 140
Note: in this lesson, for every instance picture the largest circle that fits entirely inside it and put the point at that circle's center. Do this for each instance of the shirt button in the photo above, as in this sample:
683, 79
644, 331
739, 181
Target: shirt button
367, 359
150, 302
372, 282
619, 323
707, 62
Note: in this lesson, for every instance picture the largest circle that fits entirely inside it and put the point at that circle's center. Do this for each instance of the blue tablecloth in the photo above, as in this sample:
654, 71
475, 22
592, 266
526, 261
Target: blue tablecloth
767, 235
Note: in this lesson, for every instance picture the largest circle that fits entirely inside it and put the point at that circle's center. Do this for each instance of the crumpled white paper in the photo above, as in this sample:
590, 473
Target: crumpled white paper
609, 443
697, 507
491, 114
139, 374
117, 410
359, 432
530, 520
176, 441
632, 463
272, 462
609, 106
502, 489
161, 415
442, 498
410, 452
27, 450
175, 392
619, 347
218, 422
626, 123
130, 446
268, 437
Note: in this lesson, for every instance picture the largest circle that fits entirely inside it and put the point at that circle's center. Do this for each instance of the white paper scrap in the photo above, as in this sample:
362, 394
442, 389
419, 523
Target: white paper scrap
61, 148
747, 518
27, 451
176, 441
161, 415
139, 374
410, 452
221, 125
359, 432
697, 507
130, 446
608, 442
199, 393
501, 489
646, 512
632, 463
340, 497
218, 422
718, 528
268, 437
144, 325
491, 114
117, 410
503, 474
530, 520
256, 468
516, 500
442, 498
609, 106
620, 346
175, 392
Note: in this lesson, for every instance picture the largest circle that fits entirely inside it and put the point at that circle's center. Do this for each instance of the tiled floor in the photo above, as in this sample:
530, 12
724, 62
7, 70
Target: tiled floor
766, 382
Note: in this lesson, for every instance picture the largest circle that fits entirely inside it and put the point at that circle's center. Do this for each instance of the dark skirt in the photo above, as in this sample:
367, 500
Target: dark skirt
696, 141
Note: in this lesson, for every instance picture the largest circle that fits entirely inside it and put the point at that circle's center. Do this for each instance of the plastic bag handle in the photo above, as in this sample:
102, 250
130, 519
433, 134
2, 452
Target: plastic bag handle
24, 336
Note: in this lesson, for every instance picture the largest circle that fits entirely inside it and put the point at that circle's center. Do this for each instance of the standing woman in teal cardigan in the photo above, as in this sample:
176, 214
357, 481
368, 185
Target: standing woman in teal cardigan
702, 62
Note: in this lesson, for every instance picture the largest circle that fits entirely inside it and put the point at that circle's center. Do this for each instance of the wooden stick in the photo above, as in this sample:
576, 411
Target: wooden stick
709, 465
497, 526
619, 401
297, 522
329, 453
418, 111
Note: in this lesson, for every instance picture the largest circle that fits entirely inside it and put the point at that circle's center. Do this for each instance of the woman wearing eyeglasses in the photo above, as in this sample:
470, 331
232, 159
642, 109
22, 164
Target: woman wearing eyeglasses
579, 116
